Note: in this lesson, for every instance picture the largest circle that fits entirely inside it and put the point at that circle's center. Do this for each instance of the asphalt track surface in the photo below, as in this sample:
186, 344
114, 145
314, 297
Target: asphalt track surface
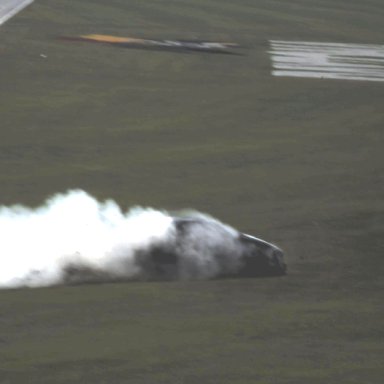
9, 8
296, 161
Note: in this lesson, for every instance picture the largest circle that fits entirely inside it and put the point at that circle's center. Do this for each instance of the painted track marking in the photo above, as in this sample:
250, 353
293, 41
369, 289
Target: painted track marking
363, 62
9, 8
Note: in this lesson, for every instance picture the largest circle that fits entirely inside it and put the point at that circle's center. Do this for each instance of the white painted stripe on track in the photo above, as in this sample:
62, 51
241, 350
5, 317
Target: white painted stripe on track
363, 62
9, 8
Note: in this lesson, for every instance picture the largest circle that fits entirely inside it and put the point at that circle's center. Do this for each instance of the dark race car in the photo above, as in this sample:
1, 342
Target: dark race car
205, 248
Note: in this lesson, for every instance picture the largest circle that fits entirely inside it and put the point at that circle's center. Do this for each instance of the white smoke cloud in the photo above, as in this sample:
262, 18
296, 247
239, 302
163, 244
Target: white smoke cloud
74, 238
38, 245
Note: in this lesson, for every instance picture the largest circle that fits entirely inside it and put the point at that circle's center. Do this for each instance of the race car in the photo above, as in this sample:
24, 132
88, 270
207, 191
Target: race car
201, 248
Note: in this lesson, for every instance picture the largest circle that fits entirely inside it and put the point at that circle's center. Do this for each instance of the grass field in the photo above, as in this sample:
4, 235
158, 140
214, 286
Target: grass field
298, 162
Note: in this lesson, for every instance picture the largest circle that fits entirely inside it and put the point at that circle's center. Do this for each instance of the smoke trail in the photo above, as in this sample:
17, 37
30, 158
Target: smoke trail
73, 238
39, 247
